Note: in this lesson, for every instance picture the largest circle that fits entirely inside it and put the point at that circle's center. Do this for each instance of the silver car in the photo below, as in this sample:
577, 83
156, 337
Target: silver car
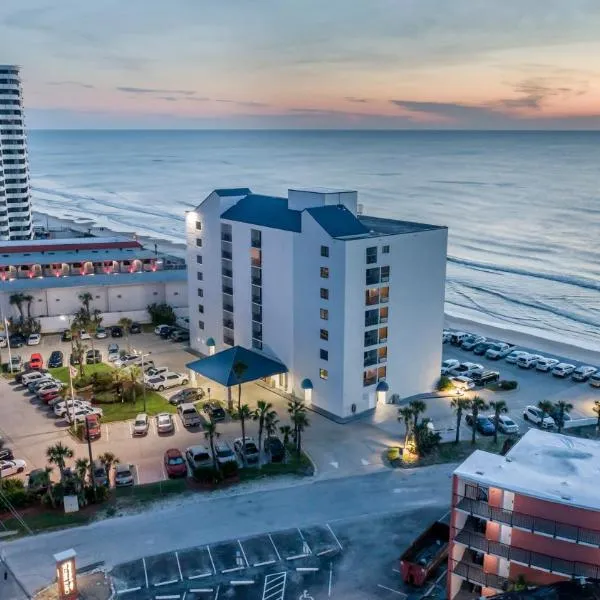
165, 423
141, 424
123, 475
224, 453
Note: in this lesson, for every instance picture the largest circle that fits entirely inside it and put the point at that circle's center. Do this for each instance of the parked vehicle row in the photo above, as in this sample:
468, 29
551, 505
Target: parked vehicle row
493, 350
175, 334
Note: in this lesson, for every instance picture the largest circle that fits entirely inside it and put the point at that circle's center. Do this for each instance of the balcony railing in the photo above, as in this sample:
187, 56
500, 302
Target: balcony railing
529, 558
370, 322
475, 574
227, 290
479, 508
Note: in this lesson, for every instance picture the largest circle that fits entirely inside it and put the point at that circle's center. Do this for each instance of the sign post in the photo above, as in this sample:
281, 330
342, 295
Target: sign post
66, 575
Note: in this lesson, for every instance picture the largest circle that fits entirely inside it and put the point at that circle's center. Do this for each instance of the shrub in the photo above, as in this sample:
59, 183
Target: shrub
444, 384
206, 475
14, 491
425, 439
161, 314
229, 469
506, 384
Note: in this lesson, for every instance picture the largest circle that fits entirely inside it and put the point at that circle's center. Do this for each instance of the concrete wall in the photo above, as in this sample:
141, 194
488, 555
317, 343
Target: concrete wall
554, 511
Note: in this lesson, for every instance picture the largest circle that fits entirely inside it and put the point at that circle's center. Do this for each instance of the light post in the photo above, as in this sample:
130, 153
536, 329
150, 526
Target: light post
143, 382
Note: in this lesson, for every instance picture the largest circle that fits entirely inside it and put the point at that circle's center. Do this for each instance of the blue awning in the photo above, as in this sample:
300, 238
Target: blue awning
220, 366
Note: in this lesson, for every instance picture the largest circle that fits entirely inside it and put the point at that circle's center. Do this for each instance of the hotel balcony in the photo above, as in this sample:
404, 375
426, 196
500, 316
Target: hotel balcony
537, 525
474, 573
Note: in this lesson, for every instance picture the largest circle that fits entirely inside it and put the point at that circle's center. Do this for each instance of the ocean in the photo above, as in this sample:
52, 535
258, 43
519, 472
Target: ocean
522, 208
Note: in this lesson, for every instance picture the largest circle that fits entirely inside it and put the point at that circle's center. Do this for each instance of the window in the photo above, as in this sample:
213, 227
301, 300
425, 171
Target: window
384, 295
323, 373
383, 333
369, 377
201, 324
200, 293
257, 331
201, 308
383, 314
255, 238
371, 255
371, 317
324, 314
226, 232
372, 296
381, 373
385, 250
373, 276
324, 272
324, 293
371, 338
385, 274
325, 251
199, 259
324, 334
370, 358
257, 344
200, 276
382, 354
199, 242
255, 257
324, 354
199, 225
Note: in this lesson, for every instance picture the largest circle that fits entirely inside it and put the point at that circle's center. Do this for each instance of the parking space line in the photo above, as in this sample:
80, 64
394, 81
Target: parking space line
128, 590
166, 582
235, 582
212, 562
169, 597
243, 553
145, 571
130, 428
275, 548
327, 551
179, 566
330, 579
202, 590
106, 432
274, 587
334, 536
201, 576
217, 593
233, 569
383, 587
305, 547
264, 563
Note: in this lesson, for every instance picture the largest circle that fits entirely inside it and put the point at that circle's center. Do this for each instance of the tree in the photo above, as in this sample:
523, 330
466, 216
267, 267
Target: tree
286, 432
478, 405
211, 434
239, 368
500, 408
405, 414
260, 414
418, 407
119, 377
126, 324
45, 482
244, 414
271, 421
425, 439
295, 406
161, 314
82, 467
301, 422
562, 408
17, 300
58, 455
459, 405
546, 407
86, 298
29, 299
108, 460
596, 409
133, 372
78, 352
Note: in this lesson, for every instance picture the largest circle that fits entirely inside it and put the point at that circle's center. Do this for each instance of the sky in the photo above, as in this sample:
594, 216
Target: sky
346, 64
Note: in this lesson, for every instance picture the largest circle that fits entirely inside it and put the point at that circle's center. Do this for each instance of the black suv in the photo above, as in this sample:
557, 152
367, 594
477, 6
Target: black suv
16, 340
56, 359
66, 336
274, 447
215, 411
116, 331
135, 328
93, 357
485, 377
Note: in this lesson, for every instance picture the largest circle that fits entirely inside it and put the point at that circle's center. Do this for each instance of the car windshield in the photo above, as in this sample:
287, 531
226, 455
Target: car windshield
251, 447
140, 423
508, 422
201, 456
224, 453
124, 473
177, 460
164, 420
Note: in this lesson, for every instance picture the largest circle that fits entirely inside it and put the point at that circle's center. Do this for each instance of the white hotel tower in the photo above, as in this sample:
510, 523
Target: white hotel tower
15, 201
352, 305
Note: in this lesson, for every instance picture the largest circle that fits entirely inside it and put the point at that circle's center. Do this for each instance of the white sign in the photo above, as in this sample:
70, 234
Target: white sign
71, 504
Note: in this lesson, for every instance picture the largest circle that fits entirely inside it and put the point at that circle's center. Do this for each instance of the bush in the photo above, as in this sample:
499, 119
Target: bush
161, 314
229, 469
102, 382
444, 384
206, 475
506, 384
425, 439
14, 491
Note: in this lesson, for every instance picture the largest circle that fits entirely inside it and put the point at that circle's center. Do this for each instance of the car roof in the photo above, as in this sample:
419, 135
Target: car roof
141, 416
163, 415
122, 467
197, 449
187, 405
172, 452
223, 444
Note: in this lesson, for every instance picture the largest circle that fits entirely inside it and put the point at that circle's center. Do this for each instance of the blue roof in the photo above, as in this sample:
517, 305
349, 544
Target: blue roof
265, 211
224, 192
219, 367
40, 283
337, 220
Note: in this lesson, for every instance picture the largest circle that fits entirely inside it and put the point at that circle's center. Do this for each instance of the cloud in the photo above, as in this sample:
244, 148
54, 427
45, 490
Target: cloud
169, 98
87, 86
245, 103
141, 90
533, 93
356, 100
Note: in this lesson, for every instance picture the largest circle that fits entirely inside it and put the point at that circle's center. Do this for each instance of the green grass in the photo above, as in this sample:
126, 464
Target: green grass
122, 411
62, 373
45, 521
294, 466
151, 492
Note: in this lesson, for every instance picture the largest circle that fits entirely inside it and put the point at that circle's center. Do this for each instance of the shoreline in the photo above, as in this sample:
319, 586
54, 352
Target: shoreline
534, 339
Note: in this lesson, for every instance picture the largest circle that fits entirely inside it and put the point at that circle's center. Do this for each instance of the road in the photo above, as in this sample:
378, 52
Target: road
208, 518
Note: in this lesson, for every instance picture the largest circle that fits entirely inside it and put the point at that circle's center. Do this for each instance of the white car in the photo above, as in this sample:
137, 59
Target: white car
466, 369
11, 467
153, 372
165, 423
529, 361
84, 335
534, 414
546, 364
33, 376
498, 351
457, 337
505, 424
48, 387
448, 364
79, 414
167, 380
113, 355
141, 425
3, 342
563, 370
595, 380
515, 355
462, 383
123, 475
583, 373
446, 336
62, 408
101, 333
34, 339
472, 341
127, 360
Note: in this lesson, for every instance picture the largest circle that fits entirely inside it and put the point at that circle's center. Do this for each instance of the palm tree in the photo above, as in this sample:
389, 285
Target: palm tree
301, 422
500, 408
546, 407
119, 377
126, 323
477, 405
286, 432
562, 408
260, 414
239, 368
418, 407
17, 300
134, 373
211, 434
86, 298
57, 455
406, 414
108, 459
244, 414
460, 405
596, 409
271, 422
295, 406
82, 466
79, 349
29, 299
46, 482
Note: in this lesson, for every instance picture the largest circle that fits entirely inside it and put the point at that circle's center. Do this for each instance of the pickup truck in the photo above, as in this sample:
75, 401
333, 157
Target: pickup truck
190, 417
425, 554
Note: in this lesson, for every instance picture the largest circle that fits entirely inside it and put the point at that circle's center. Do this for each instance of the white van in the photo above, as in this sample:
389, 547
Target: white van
594, 380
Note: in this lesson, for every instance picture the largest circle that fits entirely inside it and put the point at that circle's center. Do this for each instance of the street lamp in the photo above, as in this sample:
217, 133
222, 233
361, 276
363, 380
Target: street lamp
143, 382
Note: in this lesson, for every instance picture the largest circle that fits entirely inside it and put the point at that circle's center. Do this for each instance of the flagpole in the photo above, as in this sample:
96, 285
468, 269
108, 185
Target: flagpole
72, 396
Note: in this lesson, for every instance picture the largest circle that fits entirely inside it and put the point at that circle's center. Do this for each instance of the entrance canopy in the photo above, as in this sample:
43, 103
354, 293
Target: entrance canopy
220, 367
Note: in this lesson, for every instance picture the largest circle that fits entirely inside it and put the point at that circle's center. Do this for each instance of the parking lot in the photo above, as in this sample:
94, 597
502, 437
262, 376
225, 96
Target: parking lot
355, 559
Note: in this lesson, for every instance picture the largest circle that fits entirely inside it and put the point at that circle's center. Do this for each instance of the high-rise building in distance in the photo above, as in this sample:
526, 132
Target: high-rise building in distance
15, 198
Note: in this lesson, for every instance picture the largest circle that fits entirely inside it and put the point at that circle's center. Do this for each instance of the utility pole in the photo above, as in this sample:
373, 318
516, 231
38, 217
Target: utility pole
89, 445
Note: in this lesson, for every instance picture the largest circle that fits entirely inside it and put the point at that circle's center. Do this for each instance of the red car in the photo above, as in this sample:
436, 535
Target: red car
47, 397
175, 465
93, 427
36, 361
